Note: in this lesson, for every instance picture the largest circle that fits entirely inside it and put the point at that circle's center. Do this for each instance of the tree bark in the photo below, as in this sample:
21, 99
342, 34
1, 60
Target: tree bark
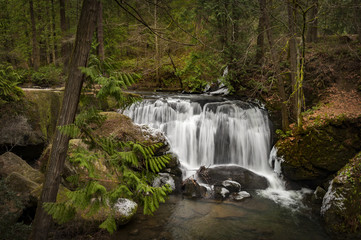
65, 45
313, 25
280, 85
36, 50
85, 30
260, 31
292, 11
156, 40
53, 39
100, 33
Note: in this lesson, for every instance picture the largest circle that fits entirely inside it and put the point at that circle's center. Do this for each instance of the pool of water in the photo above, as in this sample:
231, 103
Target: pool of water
254, 218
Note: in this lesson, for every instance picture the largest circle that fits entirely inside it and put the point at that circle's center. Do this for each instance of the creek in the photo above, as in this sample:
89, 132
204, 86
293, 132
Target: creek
207, 131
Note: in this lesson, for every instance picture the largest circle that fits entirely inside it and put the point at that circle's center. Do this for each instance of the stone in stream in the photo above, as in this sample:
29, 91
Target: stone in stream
240, 196
247, 178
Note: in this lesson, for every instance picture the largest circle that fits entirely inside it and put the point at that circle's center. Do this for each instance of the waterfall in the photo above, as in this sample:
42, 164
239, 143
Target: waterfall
207, 131
204, 134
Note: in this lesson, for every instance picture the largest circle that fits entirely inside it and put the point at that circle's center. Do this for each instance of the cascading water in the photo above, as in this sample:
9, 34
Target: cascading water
205, 132
215, 133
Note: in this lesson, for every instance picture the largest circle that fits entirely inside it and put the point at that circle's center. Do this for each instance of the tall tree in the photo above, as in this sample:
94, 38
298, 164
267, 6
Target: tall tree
35, 44
292, 16
100, 32
260, 32
313, 24
275, 61
85, 31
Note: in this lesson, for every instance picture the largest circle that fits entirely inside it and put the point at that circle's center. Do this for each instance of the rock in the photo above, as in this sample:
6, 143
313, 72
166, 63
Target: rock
28, 128
125, 209
312, 155
220, 193
240, 196
247, 178
10, 163
134, 232
231, 186
163, 179
341, 208
318, 195
192, 189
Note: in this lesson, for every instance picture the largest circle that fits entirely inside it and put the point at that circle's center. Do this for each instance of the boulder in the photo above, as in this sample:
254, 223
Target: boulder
220, 192
231, 186
240, 196
341, 208
313, 154
29, 126
318, 194
163, 179
125, 209
246, 178
10, 163
191, 189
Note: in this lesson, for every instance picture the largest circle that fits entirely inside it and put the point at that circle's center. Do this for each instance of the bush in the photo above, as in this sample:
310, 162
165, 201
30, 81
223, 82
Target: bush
47, 76
9, 79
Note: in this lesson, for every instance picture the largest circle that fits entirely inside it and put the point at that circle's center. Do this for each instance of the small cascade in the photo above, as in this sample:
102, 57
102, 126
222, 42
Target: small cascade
204, 134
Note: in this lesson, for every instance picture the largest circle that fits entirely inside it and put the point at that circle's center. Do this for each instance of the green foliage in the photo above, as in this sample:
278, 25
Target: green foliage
282, 134
9, 80
130, 166
112, 83
47, 76
198, 71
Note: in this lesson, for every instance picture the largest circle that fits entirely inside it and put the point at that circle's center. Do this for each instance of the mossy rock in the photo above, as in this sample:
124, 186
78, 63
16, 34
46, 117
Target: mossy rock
319, 151
28, 126
341, 208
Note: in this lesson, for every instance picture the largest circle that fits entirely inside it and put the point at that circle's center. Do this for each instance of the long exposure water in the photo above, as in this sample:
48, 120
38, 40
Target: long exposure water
206, 131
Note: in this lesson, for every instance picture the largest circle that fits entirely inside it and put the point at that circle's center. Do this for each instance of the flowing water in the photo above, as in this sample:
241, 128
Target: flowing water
206, 131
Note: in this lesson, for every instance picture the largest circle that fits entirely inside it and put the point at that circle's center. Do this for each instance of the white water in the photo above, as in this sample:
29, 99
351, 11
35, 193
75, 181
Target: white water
226, 132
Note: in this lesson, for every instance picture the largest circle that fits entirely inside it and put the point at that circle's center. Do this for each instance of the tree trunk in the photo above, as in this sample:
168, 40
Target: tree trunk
65, 44
156, 45
53, 39
312, 28
100, 33
280, 85
260, 31
292, 11
36, 50
85, 30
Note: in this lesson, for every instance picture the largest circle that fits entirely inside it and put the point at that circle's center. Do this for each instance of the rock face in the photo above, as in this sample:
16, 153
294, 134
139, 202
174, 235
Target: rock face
21, 179
125, 209
341, 208
319, 151
246, 178
29, 126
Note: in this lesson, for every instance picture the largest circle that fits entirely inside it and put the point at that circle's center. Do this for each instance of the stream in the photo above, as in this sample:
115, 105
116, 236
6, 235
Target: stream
208, 131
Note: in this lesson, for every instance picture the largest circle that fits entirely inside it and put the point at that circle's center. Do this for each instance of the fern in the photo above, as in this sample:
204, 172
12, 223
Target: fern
109, 224
131, 167
61, 212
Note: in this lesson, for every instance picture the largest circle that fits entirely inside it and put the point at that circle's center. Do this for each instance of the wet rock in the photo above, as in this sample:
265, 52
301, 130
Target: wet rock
312, 155
341, 208
163, 179
231, 186
191, 188
247, 178
318, 195
220, 193
240, 196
